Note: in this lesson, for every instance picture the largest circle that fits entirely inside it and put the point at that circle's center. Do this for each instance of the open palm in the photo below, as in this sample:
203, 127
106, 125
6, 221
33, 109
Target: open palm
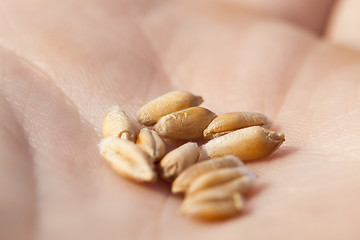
63, 63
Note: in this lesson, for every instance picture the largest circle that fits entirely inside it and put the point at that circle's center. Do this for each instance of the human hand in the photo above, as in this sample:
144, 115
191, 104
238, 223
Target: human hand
63, 63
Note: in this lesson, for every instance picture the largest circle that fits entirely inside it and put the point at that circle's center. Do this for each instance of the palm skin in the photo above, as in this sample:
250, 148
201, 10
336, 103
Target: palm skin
64, 63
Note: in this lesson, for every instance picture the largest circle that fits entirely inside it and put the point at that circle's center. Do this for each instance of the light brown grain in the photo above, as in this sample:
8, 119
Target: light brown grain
178, 160
151, 143
248, 143
229, 122
213, 204
235, 179
183, 181
168, 103
127, 159
186, 124
117, 124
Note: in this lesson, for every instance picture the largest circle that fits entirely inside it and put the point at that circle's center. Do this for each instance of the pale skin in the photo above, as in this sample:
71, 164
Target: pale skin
63, 63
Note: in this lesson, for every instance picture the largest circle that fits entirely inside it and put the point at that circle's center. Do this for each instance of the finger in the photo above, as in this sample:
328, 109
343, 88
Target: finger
306, 13
344, 24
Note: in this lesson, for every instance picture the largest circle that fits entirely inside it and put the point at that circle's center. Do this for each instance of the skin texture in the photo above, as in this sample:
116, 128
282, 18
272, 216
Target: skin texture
64, 63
